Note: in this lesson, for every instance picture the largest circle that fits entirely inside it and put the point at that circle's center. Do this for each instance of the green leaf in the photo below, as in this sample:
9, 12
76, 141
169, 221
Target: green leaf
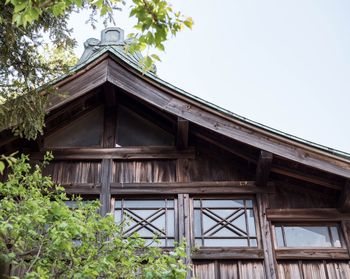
2, 167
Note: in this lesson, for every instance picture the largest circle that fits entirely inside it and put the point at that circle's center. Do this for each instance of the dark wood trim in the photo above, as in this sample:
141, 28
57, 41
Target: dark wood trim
345, 233
205, 187
306, 177
306, 215
162, 97
314, 254
83, 188
344, 199
182, 133
105, 197
229, 148
78, 84
110, 116
270, 263
263, 168
122, 153
227, 253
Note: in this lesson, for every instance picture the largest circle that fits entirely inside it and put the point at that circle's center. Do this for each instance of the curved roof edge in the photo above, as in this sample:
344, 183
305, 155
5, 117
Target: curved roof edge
133, 62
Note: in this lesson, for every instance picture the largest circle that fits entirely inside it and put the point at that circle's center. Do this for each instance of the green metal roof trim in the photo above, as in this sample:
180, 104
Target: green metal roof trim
133, 60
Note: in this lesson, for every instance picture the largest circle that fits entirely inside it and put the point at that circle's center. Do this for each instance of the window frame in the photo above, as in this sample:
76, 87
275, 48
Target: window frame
327, 225
175, 238
311, 252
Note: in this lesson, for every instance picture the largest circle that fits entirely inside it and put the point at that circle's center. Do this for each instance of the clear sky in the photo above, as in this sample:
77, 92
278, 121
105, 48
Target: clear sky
285, 64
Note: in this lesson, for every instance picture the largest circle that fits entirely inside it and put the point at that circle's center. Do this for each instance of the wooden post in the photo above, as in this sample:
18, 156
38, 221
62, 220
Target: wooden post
105, 196
263, 168
270, 262
344, 199
182, 133
110, 116
184, 209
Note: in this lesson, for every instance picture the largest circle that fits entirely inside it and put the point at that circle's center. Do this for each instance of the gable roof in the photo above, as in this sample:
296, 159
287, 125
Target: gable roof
105, 61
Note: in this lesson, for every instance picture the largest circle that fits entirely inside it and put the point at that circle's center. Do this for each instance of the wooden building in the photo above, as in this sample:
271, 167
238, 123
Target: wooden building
251, 201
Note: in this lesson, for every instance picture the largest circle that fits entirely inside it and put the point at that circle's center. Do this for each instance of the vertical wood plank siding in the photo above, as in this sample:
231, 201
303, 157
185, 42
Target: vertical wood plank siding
289, 197
314, 270
144, 171
229, 270
66, 172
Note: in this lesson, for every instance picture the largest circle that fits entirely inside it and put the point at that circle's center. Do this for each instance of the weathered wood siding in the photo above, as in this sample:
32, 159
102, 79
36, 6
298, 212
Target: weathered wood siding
144, 171
314, 270
70, 172
289, 196
229, 270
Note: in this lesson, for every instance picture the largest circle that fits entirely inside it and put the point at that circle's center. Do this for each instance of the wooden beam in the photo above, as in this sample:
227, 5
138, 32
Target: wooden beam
305, 177
306, 215
241, 130
344, 199
105, 196
194, 188
110, 116
231, 149
182, 133
227, 254
270, 263
263, 168
82, 188
312, 254
122, 153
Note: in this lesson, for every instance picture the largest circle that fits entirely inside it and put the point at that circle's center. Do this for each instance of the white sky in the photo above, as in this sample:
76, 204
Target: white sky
285, 64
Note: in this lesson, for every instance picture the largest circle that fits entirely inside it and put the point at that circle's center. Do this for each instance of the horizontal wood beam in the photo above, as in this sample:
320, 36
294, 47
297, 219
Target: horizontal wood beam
163, 97
344, 199
305, 177
227, 254
306, 215
206, 187
182, 133
312, 254
122, 153
263, 168
82, 188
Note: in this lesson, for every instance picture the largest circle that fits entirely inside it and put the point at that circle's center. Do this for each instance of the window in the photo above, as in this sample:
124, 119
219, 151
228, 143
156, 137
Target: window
307, 236
148, 218
224, 223
135, 130
86, 131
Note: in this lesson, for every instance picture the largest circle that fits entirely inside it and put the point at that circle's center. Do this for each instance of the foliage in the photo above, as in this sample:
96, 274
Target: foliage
41, 237
25, 23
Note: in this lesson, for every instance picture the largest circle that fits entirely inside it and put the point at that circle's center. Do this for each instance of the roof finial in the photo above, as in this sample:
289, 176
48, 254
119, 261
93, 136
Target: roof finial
112, 36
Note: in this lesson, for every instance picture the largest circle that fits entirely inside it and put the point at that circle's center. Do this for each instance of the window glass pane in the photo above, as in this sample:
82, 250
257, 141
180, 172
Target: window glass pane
279, 236
249, 203
251, 222
219, 242
135, 130
144, 203
148, 218
222, 203
335, 237
197, 223
224, 222
253, 242
83, 132
308, 236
